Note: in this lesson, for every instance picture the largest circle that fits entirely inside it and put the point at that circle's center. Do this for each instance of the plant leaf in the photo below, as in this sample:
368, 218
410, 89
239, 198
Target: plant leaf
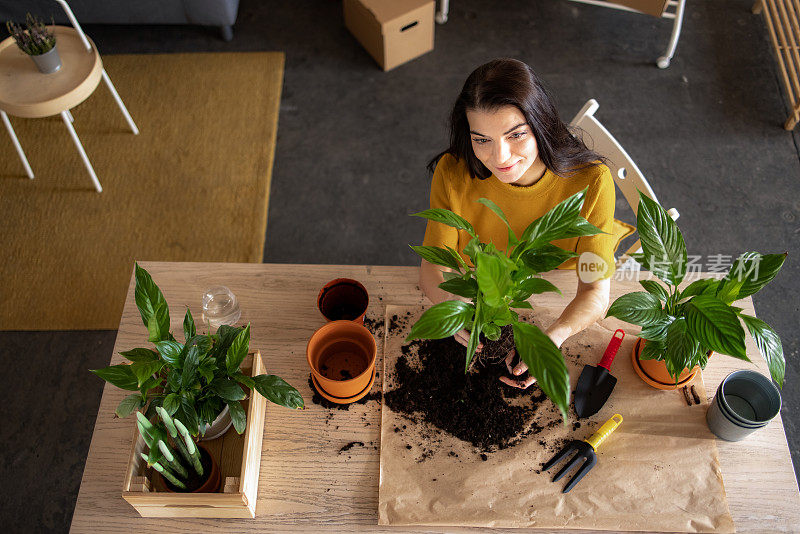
716, 326
546, 258
475, 333
770, 346
244, 379
145, 370
129, 404
698, 287
512, 237
545, 363
119, 375
494, 278
169, 351
458, 286
171, 403
238, 416
556, 223
227, 389
238, 350
655, 289
533, 286
186, 413
190, 364
447, 217
277, 390
681, 348
189, 329
662, 241
140, 355
438, 256
749, 273
657, 331
637, 308
152, 306
491, 331
442, 320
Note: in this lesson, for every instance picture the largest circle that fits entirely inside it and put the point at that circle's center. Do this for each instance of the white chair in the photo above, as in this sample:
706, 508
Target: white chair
627, 176
659, 8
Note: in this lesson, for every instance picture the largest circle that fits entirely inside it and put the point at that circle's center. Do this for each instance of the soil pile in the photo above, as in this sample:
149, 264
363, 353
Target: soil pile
474, 407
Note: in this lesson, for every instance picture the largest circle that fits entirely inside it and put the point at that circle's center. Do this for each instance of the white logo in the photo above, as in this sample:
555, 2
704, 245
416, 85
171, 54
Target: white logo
591, 267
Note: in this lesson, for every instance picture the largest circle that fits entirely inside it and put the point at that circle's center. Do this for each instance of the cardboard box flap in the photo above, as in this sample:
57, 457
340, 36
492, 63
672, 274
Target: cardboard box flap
388, 10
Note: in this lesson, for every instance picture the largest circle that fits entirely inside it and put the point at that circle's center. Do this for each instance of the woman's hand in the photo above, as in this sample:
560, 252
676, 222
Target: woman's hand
462, 336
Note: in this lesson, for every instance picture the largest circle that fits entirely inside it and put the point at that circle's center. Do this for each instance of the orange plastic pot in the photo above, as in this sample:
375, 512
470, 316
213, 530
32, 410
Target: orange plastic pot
343, 299
211, 484
654, 372
341, 355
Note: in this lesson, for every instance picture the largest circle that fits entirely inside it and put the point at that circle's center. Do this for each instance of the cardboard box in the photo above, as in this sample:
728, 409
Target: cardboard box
392, 31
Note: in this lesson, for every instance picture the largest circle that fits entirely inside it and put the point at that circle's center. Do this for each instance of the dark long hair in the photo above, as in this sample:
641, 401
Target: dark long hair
509, 82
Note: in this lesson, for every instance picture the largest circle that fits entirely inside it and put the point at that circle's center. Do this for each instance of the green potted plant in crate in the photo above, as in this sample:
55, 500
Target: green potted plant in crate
497, 281
680, 328
194, 382
38, 42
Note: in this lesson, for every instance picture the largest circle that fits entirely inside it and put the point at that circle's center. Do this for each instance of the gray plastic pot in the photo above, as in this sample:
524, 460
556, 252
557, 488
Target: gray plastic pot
745, 401
49, 62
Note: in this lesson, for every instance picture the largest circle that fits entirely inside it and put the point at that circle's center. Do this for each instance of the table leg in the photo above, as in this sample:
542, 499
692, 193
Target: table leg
82, 152
71, 118
15, 141
122, 107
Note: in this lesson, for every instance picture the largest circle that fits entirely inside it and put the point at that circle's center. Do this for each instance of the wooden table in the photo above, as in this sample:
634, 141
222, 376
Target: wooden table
306, 483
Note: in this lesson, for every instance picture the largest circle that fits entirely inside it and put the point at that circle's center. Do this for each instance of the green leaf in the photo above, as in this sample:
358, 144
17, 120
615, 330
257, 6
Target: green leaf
119, 375
169, 351
145, 370
187, 414
716, 326
174, 380
655, 289
227, 389
770, 346
533, 286
276, 390
662, 242
447, 217
491, 331
140, 355
512, 237
749, 273
545, 363
494, 278
152, 306
207, 367
129, 404
698, 287
442, 320
171, 403
244, 379
189, 330
438, 256
238, 350
681, 348
226, 336
546, 258
556, 223
657, 331
449, 275
190, 364
458, 286
475, 333
520, 304
653, 350
238, 416
202, 342
209, 410
473, 248
637, 308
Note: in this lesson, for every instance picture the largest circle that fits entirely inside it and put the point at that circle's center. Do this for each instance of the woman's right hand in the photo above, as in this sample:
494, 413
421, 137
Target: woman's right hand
462, 336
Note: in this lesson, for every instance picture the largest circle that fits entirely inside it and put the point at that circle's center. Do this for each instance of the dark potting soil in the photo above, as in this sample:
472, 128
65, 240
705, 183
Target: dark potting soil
194, 481
350, 446
474, 407
318, 399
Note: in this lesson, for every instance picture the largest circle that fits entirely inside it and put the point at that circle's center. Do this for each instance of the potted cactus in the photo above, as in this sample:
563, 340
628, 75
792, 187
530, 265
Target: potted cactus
681, 328
38, 42
498, 281
196, 381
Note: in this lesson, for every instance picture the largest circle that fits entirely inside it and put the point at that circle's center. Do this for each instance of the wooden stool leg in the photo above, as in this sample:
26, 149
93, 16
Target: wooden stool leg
122, 107
82, 152
15, 141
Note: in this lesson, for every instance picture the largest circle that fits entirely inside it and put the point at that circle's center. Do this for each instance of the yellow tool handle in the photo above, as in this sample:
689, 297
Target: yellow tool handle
605, 431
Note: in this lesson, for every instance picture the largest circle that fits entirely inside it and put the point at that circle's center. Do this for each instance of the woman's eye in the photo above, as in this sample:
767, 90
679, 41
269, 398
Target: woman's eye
481, 141
517, 135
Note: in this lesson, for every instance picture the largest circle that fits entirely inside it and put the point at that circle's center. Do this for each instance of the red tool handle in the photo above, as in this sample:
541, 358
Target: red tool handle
611, 350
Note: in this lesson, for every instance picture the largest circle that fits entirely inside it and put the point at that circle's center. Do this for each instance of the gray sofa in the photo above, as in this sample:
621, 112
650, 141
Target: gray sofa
220, 13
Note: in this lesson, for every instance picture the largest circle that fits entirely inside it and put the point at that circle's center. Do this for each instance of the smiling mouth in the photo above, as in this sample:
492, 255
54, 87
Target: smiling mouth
506, 169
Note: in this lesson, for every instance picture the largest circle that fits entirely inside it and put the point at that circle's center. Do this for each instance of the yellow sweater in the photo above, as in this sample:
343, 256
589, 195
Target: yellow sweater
453, 188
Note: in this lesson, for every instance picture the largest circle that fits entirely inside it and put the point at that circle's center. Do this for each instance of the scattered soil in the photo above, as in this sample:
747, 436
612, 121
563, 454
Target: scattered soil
351, 445
474, 407
318, 399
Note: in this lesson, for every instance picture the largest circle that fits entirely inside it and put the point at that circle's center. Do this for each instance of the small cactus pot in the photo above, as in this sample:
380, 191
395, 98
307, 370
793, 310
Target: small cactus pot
49, 62
210, 483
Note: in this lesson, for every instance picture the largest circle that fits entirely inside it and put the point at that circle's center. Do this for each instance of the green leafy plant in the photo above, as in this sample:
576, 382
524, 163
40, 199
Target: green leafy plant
498, 281
163, 438
35, 39
194, 380
682, 326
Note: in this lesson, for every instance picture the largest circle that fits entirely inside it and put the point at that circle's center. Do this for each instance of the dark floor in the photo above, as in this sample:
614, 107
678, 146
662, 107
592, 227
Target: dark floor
349, 167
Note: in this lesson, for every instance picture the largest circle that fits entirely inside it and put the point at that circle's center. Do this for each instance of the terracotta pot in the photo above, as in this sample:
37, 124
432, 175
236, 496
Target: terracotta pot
654, 372
341, 355
211, 484
343, 299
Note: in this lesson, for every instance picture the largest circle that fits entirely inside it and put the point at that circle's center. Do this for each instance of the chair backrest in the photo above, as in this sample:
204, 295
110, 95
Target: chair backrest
626, 174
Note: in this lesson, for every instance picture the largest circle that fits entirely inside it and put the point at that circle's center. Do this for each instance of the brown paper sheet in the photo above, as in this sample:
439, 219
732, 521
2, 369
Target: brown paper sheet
658, 471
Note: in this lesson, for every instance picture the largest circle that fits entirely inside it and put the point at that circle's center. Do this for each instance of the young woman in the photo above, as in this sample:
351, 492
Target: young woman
508, 144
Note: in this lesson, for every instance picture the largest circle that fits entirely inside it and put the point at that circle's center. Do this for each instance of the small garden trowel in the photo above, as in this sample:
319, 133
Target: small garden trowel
596, 383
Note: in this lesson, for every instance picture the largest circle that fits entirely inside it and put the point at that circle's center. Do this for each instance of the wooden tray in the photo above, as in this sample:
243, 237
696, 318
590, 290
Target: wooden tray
239, 457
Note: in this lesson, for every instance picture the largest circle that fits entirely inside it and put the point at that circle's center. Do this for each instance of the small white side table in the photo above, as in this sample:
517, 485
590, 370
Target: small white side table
25, 92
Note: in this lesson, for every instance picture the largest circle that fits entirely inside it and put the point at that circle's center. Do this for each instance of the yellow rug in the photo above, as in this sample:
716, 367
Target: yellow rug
192, 186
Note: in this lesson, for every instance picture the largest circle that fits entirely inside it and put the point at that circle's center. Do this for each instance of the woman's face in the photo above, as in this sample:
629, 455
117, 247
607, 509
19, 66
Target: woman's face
503, 141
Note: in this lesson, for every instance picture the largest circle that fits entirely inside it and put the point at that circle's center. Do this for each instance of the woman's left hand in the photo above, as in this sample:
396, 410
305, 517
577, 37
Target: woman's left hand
522, 383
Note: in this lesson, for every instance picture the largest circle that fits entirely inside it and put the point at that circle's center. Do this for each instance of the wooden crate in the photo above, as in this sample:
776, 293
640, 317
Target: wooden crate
239, 457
